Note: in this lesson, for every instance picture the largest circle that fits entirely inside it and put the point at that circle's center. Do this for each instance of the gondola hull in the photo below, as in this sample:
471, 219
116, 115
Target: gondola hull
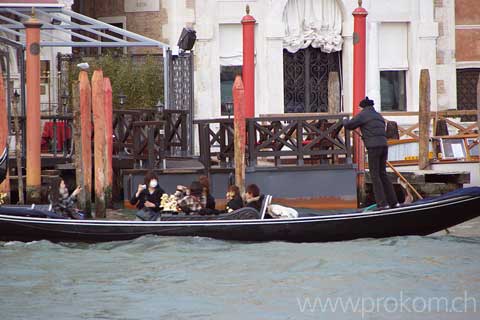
419, 219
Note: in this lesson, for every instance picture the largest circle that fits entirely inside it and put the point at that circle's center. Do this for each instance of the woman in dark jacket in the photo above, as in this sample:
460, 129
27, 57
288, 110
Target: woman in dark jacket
147, 198
206, 192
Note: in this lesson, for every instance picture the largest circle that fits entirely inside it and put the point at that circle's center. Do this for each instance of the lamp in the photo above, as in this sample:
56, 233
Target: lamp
16, 97
229, 108
64, 98
160, 106
122, 98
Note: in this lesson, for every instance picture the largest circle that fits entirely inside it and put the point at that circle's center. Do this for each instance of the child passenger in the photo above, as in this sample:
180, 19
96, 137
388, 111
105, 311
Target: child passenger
253, 198
234, 198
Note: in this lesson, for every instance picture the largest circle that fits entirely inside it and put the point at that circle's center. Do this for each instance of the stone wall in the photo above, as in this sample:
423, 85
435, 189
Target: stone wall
446, 63
467, 16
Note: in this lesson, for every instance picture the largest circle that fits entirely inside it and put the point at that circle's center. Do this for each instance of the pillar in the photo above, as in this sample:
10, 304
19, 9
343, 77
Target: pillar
107, 87
239, 134
98, 109
4, 120
424, 120
359, 70
248, 70
32, 31
85, 92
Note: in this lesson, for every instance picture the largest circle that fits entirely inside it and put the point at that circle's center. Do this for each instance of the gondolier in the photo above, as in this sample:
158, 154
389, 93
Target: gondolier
372, 125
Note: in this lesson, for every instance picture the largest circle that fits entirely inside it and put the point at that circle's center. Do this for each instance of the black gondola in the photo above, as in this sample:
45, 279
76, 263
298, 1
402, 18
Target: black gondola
421, 218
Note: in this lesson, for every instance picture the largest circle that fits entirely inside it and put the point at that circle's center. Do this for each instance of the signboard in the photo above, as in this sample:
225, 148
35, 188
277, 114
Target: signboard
142, 5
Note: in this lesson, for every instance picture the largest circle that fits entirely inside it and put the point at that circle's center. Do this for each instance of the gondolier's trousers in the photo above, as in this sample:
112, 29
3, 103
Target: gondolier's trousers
382, 187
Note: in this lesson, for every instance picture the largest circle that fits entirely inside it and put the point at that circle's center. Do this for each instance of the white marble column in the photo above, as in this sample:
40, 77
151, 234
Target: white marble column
373, 72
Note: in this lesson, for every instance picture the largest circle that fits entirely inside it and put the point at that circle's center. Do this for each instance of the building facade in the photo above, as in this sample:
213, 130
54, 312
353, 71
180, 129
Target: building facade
304, 49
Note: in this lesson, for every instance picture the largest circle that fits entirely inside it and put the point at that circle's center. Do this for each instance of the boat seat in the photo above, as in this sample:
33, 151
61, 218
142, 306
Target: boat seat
266, 202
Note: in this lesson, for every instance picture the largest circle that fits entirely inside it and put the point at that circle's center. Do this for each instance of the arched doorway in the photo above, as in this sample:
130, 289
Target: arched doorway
312, 56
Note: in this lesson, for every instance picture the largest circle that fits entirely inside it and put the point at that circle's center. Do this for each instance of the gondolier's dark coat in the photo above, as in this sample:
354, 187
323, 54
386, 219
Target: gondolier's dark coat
371, 124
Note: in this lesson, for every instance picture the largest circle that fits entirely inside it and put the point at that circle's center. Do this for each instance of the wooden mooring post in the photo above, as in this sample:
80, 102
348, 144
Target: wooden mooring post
424, 120
239, 135
478, 111
86, 138
99, 142
107, 95
5, 185
77, 140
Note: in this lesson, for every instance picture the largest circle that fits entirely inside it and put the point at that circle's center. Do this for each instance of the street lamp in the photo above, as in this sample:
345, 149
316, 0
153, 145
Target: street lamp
16, 97
122, 98
229, 108
64, 98
160, 106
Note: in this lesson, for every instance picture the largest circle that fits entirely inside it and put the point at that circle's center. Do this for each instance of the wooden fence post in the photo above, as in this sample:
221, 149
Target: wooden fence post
5, 185
239, 136
99, 142
107, 87
424, 119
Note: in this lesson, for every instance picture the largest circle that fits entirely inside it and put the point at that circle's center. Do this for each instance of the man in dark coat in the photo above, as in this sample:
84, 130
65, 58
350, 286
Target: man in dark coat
374, 136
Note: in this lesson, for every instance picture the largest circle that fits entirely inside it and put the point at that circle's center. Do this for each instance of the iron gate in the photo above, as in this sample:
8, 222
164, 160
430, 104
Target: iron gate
306, 79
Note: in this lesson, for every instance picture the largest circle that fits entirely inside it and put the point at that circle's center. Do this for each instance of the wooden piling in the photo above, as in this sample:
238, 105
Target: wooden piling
33, 135
86, 137
424, 119
77, 140
5, 185
239, 135
478, 110
18, 154
333, 92
99, 142
107, 87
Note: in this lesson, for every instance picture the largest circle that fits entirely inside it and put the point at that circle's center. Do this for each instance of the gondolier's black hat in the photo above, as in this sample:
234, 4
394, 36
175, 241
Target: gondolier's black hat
366, 103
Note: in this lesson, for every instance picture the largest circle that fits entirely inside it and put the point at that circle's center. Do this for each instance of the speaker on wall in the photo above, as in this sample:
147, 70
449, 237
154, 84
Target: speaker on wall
187, 39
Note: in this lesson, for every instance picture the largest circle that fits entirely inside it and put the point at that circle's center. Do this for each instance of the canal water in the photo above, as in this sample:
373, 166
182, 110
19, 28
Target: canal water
436, 277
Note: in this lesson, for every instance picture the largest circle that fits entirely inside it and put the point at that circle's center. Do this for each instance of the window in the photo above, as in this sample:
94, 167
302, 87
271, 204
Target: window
392, 90
467, 91
227, 77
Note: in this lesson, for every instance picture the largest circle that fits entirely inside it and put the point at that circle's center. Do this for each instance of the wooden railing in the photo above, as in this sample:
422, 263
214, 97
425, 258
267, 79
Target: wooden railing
148, 143
285, 140
174, 128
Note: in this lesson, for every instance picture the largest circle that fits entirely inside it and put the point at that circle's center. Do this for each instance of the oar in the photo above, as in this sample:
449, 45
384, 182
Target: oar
404, 180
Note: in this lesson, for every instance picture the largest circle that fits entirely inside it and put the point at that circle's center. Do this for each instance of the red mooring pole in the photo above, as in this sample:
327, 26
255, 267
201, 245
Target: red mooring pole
359, 62
248, 70
32, 31
238, 93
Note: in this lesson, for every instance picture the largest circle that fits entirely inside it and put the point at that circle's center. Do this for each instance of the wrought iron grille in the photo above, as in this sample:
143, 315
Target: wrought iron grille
181, 88
467, 80
306, 79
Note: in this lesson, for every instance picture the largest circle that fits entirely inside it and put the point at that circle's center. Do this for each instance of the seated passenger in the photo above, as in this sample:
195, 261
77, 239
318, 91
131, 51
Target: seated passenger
210, 200
194, 202
234, 198
253, 198
147, 198
64, 203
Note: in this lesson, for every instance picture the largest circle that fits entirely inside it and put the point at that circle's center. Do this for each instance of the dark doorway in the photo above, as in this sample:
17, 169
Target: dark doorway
305, 75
